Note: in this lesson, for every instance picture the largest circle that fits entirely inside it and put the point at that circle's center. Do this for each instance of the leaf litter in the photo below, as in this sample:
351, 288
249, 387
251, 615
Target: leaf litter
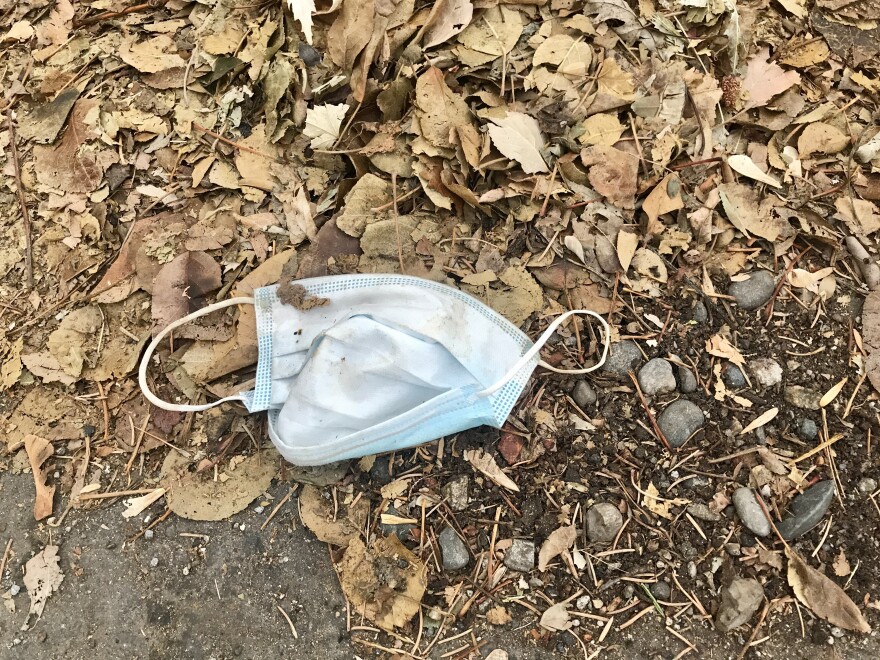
635, 158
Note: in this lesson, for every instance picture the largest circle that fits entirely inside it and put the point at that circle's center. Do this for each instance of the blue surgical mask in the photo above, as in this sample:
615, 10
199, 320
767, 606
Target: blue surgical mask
387, 362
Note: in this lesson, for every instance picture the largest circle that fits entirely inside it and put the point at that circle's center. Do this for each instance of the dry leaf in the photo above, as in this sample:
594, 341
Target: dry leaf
438, 108
824, 598
661, 506
302, 11
152, 55
720, 347
42, 576
335, 527
601, 129
613, 173
765, 79
452, 17
627, 243
832, 393
38, 450
483, 462
323, 123
664, 198
569, 56
744, 165
841, 565
518, 137
498, 616
138, 505
385, 582
556, 618
179, 289
559, 541
760, 420
860, 215
821, 138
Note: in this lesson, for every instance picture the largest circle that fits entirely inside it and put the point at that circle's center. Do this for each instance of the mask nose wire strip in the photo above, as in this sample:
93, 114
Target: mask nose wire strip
539, 344
145, 361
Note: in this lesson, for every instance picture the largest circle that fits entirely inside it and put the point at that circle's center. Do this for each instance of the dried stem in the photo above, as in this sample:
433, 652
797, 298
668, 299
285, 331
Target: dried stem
25, 214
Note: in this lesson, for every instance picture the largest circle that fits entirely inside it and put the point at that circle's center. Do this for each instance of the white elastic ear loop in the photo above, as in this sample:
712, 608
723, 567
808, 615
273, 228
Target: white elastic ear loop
539, 344
145, 361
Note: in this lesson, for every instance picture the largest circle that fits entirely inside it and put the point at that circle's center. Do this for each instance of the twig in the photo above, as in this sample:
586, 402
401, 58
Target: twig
116, 493
137, 444
106, 411
394, 202
231, 143
277, 507
290, 623
782, 281
694, 163
108, 15
653, 421
754, 634
25, 214
5, 558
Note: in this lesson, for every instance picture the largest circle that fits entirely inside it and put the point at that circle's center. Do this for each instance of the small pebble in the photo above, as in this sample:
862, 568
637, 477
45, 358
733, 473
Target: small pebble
520, 556
680, 420
661, 591
14, 589
739, 602
750, 512
807, 509
583, 394
687, 382
622, 357
699, 313
802, 397
453, 549
733, 377
309, 55
753, 292
604, 520
154, 562
867, 486
767, 372
259, 509
656, 377
149, 534
583, 603
456, 492
702, 512
807, 429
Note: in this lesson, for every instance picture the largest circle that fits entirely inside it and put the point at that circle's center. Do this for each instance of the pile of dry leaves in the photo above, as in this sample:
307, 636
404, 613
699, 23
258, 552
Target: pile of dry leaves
638, 159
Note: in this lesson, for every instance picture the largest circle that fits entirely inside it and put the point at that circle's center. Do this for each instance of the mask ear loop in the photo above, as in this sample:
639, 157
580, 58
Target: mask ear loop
529, 355
145, 361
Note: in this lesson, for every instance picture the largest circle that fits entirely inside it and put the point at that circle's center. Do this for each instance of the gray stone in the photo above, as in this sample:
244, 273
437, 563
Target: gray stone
802, 397
456, 492
603, 522
520, 556
656, 377
583, 394
309, 55
680, 420
699, 313
750, 512
733, 377
622, 357
661, 591
701, 512
766, 371
739, 602
687, 382
807, 510
807, 429
753, 292
453, 549
867, 486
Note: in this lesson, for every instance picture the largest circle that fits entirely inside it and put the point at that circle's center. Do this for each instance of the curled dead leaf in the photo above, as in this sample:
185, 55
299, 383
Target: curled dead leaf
558, 542
484, 463
38, 450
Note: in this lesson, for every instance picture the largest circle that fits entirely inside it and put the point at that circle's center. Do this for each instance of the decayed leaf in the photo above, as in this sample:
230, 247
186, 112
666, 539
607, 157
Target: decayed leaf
323, 123
569, 56
302, 11
765, 79
720, 347
152, 55
821, 138
518, 137
841, 565
337, 528
438, 108
498, 616
385, 582
38, 450
452, 17
742, 207
179, 288
613, 173
72, 344
42, 577
558, 542
493, 35
196, 496
10, 362
744, 165
660, 505
825, 598
43, 123
350, 33
760, 420
556, 618
860, 215
483, 462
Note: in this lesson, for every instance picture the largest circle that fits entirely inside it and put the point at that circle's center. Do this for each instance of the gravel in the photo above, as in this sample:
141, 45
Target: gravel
583, 394
456, 492
807, 429
739, 602
687, 382
867, 486
656, 377
661, 591
750, 512
622, 357
520, 556
753, 292
733, 377
680, 420
802, 397
702, 512
699, 313
807, 510
767, 372
454, 551
603, 522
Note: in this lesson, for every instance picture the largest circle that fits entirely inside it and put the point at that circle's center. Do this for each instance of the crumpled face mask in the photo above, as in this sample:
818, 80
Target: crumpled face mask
387, 362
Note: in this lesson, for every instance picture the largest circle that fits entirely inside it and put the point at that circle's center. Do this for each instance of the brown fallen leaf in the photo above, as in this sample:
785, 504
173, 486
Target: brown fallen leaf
841, 565
760, 420
42, 577
765, 79
613, 173
483, 462
823, 596
385, 582
439, 109
179, 288
338, 528
665, 197
452, 16
498, 616
38, 450
559, 541
720, 347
